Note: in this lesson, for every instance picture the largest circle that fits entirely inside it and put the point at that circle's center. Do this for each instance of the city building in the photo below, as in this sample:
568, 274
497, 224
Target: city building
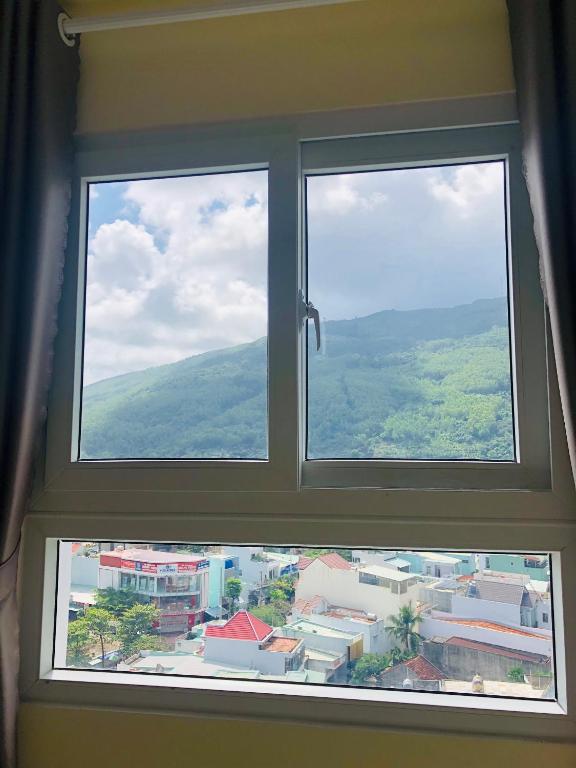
258, 568
373, 629
439, 564
535, 566
246, 641
177, 584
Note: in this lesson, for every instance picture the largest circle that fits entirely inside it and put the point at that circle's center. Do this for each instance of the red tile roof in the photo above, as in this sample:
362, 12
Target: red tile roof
332, 560
307, 605
281, 644
497, 650
491, 625
242, 626
422, 669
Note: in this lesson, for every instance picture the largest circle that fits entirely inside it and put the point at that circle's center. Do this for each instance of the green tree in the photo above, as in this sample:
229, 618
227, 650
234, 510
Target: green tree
147, 643
117, 601
78, 643
134, 624
232, 591
101, 625
369, 665
397, 655
270, 614
403, 628
516, 675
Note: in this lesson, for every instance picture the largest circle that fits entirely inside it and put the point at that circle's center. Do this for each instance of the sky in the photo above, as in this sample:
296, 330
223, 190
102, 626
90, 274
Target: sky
178, 266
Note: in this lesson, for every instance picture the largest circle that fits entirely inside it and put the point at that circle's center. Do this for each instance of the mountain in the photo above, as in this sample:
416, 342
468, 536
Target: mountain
429, 383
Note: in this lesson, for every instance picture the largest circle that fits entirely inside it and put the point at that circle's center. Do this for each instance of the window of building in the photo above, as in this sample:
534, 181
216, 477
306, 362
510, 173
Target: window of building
336, 345
331, 619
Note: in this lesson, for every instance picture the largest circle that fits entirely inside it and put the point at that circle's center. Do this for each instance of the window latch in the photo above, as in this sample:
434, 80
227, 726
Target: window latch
312, 313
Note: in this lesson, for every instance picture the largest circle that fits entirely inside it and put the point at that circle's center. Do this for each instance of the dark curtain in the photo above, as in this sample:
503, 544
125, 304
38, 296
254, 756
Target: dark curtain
37, 110
543, 35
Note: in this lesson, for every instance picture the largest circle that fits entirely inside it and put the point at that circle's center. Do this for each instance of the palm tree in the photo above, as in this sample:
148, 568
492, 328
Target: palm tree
403, 628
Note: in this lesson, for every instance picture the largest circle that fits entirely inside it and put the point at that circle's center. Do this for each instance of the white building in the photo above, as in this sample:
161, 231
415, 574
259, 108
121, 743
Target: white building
257, 568
372, 629
246, 641
177, 584
376, 590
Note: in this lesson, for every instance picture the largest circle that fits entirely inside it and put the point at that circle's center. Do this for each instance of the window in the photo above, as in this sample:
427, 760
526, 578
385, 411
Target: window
415, 355
175, 353
336, 617
416, 443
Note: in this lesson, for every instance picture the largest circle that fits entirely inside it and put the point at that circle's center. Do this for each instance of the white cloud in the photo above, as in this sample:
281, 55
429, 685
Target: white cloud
189, 275
469, 187
342, 194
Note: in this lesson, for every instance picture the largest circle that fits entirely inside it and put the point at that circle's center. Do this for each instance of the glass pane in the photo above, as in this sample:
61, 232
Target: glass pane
408, 269
460, 622
175, 349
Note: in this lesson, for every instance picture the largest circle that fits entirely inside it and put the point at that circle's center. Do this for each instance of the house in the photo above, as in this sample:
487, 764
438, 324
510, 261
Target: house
258, 568
176, 583
373, 629
458, 655
247, 642
534, 566
416, 674
438, 564
377, 591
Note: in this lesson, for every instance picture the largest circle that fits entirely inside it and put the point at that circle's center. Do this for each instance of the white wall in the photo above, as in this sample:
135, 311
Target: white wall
376, 639
244, 653
85, 570
538, 642
473, 608
343, 588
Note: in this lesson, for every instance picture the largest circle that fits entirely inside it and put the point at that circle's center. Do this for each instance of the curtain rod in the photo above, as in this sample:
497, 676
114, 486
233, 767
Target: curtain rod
70, 27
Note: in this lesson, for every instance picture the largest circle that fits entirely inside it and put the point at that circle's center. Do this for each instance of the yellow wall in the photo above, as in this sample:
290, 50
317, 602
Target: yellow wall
58, 738
352, 55
365, 54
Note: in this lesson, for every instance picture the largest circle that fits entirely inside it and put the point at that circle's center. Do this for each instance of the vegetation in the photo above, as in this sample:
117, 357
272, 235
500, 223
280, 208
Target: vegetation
369, 665
101, 626
134, 627
116, 601
271, 614
431, 383
78, 648
403, 629
516, 675
232, 591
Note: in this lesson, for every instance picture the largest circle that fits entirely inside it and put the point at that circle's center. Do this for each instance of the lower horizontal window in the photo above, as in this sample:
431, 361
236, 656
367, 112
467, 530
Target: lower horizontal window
472, 623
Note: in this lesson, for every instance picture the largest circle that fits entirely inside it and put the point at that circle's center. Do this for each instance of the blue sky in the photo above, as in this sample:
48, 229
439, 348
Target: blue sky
177, 267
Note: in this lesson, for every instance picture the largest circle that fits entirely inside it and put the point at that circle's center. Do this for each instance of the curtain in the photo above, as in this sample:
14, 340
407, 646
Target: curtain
543, 36
37, 111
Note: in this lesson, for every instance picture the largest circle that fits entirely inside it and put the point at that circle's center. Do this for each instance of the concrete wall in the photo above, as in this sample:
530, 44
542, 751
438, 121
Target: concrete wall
376, 639
85, 571
322, 642
244, 653
539, 642
474, 608
463, 663
344, 589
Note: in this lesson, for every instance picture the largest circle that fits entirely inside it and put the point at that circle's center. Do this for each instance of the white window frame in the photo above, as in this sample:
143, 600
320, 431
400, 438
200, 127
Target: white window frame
527, 326
280, 501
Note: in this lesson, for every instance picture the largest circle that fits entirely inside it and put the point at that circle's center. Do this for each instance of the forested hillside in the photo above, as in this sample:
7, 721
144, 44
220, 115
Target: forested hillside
431, 383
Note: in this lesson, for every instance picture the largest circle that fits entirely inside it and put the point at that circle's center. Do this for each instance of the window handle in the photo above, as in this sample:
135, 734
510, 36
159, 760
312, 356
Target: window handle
313, 314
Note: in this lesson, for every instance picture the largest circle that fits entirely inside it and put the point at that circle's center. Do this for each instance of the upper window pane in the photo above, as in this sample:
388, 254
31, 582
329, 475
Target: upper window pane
175, 347
408, 268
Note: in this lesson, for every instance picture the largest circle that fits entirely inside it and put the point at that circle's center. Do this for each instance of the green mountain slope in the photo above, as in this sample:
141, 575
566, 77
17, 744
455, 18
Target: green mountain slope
429, 383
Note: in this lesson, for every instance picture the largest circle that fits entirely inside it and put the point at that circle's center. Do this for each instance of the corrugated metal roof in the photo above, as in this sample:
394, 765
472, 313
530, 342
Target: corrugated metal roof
497, 650
496, 591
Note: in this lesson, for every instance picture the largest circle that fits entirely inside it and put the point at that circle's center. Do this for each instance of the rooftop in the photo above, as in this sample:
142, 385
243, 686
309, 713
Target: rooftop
152, 556
310, 628
481, 624
423, 669
331, 559
307, 605
496, 591
382, 572
497, 650
281, 644
242, 626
